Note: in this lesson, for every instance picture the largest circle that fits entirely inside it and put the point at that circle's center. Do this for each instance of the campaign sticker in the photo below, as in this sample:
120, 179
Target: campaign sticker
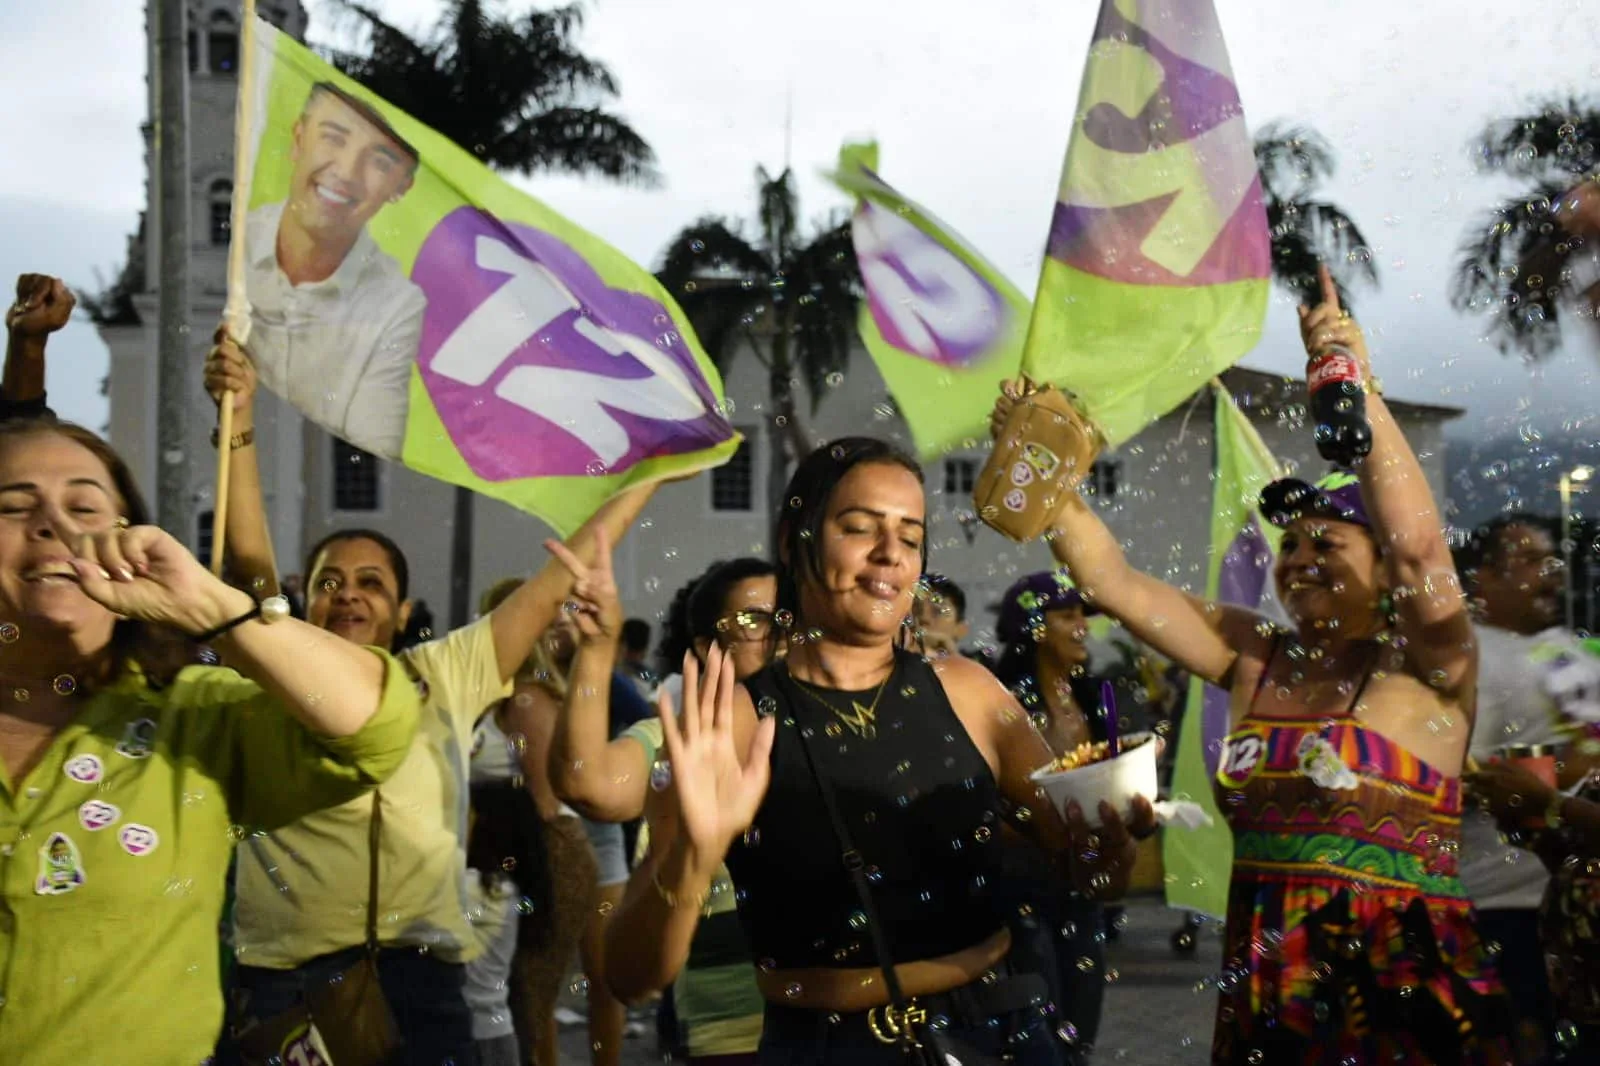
1242, 756
60, 866
1039, 457
97, 815
84, 769
138, 740
138, 839
1016, 500
1021, 474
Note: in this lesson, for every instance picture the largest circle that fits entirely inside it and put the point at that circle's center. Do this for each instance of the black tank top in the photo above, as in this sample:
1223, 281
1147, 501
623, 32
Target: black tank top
922, 808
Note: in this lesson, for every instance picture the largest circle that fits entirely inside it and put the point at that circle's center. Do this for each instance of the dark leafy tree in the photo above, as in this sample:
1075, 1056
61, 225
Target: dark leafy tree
786, 299
1513, 264
1306, 230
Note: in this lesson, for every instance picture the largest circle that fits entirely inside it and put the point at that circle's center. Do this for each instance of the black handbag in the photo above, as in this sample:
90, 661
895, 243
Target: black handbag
903, 1022
345, 1022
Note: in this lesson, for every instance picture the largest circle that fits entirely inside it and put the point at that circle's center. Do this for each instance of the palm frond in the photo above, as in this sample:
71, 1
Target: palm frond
1292, 159
1560, 137
515, 92
779, 212
576, 141
825, 290
713, 248
1511, 269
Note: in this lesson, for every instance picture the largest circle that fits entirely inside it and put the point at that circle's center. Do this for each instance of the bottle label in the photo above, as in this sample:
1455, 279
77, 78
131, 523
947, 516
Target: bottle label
1333, 365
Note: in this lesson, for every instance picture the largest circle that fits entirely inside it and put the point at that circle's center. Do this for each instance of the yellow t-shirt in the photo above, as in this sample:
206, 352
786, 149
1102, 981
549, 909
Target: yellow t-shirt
302, 889
114, 857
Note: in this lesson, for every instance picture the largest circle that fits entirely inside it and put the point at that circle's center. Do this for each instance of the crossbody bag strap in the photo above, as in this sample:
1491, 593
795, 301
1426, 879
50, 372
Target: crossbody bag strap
853, 863
374, 828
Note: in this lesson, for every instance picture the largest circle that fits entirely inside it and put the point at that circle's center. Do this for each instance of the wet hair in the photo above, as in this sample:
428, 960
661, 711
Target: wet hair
636, 636
367, 112
805, 509
397, 558
1487, 541
697, 607
160, 652
940, 586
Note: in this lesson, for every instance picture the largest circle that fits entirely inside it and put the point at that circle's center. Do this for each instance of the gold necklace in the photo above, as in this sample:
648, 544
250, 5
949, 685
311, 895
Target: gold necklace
863, 721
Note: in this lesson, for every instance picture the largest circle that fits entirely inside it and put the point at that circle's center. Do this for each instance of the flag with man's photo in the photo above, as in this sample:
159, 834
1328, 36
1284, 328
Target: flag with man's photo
410, 301
942, 324
1198, 862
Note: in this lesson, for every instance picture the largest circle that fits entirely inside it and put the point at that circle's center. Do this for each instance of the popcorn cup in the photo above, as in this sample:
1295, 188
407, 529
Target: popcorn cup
1116, 781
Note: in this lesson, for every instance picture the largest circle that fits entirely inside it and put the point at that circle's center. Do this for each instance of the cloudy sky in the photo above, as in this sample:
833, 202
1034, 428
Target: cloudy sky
972, 114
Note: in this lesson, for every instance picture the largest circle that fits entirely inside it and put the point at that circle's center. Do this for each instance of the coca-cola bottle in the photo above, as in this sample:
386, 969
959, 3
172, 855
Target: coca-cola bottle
1339, 405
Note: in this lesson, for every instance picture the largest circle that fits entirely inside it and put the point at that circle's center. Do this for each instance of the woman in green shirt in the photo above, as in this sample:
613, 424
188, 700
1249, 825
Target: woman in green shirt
127, 771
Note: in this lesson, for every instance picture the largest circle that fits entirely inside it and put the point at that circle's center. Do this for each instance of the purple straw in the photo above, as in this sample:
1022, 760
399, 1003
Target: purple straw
1108, 708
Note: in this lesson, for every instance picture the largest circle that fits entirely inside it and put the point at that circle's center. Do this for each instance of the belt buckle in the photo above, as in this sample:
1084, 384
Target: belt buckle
891, 1025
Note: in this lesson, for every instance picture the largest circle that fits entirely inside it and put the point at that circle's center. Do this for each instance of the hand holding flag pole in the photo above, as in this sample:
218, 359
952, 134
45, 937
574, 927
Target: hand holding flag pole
236, 313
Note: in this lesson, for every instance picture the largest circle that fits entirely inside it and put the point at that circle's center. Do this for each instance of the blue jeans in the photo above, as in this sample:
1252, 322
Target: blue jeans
1018, 1035
425, 996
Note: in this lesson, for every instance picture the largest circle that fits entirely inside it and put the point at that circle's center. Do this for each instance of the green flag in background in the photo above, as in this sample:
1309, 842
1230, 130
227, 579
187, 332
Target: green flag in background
943, 326
410, 301
1198, 862
1157, 264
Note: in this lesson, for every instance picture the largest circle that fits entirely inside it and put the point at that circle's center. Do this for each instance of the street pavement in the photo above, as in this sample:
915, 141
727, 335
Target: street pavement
1154, 1015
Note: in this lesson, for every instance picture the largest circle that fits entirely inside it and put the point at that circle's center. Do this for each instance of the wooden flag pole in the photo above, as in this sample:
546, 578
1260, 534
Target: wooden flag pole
237, 311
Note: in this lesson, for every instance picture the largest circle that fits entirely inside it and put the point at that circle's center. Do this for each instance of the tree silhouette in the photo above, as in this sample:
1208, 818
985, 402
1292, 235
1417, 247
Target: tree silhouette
789, 301
1513, 262
1306, 231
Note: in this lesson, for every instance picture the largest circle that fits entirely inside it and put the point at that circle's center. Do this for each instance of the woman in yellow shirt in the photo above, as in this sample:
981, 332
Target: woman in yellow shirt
127, 770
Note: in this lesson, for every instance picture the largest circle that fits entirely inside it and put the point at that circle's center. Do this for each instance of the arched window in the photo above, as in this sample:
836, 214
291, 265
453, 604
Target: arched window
222, 43
220, 203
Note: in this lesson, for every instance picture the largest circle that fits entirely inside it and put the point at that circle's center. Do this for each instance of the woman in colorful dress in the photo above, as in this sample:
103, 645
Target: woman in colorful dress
1349, 937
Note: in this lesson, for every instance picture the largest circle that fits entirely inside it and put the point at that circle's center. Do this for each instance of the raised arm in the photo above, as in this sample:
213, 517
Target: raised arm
1204, 638
604, 778
717, 786
1428, 598
329, 684
524, 615
249, 542
43, 305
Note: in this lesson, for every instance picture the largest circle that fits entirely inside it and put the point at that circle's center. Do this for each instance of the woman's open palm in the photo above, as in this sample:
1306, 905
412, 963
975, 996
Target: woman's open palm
716, 789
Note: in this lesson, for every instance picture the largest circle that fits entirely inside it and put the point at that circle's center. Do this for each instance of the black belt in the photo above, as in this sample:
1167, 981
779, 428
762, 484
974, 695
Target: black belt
971, 1006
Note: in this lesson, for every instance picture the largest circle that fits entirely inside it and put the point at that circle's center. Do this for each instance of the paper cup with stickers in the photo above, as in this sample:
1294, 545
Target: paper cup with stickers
1044, 450
1090, 774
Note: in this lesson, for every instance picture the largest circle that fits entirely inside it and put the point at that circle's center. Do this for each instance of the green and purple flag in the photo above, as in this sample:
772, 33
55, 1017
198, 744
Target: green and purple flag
1157, 265
1198, 862
409, 300
943, 326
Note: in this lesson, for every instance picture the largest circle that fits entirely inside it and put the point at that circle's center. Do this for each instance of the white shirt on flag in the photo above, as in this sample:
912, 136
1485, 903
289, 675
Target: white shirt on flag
339, 350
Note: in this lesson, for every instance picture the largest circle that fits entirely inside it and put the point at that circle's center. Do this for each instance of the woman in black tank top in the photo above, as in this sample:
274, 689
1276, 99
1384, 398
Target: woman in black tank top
922, 763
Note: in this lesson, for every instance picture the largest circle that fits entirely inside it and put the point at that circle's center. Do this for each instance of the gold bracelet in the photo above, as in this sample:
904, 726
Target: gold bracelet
239, 440
701, 902
1373, 386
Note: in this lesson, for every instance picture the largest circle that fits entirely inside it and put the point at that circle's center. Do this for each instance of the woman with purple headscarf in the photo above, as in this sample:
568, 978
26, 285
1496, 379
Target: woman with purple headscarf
1349, 936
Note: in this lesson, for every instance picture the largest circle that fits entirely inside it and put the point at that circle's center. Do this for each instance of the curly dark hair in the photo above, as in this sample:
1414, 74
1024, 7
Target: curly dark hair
697, 606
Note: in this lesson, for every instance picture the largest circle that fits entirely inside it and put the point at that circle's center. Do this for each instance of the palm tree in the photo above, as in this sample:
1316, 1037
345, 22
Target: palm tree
789, 301
1293, 162
1512, 261
513, 91
516, 93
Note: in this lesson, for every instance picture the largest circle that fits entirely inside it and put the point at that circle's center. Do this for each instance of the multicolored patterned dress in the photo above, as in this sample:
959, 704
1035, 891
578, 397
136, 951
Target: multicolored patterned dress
1349, 937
